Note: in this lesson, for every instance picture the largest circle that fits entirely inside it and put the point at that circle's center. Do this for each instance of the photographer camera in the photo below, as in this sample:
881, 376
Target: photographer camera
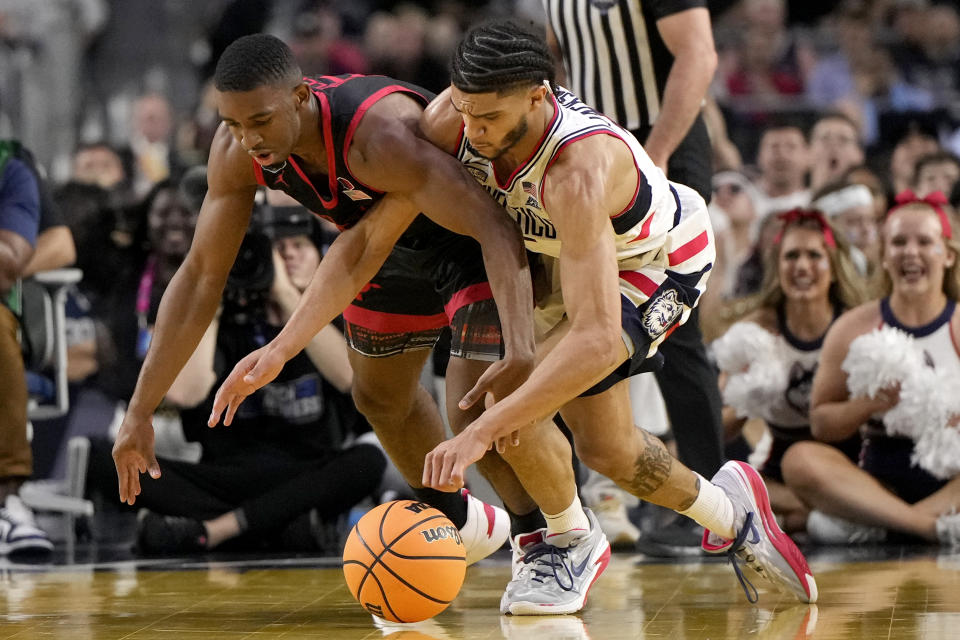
282, 474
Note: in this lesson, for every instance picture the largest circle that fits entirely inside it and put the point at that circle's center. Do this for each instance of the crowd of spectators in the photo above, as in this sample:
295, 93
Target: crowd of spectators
835, 110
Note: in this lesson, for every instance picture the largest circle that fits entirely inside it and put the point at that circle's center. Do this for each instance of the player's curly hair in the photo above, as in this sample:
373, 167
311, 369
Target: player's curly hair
500, 56
254, 61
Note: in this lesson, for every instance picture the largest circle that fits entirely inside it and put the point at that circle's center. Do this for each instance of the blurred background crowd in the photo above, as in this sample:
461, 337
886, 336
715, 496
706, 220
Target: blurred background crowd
113, 98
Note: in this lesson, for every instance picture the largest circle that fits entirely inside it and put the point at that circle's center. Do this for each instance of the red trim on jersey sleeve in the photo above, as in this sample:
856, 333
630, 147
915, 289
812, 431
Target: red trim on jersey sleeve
393, 322
468, 295
355, 122
647, 285
258, 173
689, 249
331, 155
520, 167
640, 178
327, 204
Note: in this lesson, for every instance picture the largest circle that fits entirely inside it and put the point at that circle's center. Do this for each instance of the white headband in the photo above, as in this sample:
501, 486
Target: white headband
836, 202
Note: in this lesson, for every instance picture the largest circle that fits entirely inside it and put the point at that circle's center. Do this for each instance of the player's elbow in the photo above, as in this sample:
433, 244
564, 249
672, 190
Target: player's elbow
605, 346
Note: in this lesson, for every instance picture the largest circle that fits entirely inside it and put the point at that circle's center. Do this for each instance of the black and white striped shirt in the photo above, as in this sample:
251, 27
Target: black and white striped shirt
615, 59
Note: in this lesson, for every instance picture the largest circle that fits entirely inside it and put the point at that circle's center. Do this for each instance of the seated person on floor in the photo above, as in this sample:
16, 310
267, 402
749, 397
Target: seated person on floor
768, 358
889, 369
282, 474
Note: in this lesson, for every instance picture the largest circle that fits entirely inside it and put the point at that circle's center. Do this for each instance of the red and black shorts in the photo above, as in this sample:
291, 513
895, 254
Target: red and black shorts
421, 290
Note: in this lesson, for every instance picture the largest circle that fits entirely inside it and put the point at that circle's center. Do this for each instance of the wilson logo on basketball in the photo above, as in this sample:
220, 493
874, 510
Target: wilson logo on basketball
417, 507
441, 533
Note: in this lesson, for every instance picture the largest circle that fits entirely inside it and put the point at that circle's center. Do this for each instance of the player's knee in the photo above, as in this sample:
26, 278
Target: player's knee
377, 405
802, 465
605, 460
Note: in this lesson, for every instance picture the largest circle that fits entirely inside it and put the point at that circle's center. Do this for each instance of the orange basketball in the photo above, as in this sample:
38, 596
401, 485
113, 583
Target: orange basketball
404, 561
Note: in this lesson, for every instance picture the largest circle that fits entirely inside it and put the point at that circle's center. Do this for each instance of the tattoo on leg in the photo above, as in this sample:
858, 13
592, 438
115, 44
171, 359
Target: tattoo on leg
652, 467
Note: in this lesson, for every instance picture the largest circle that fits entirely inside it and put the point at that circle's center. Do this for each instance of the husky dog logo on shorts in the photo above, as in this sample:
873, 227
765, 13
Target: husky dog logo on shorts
662, 312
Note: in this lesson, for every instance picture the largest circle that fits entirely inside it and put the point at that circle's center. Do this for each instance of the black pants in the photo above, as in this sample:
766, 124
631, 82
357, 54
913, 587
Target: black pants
688, 382
271, 491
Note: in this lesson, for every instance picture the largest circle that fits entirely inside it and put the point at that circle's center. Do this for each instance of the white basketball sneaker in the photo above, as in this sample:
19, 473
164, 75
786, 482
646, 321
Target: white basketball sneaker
19, 531
760, 543
555, 580
486, 529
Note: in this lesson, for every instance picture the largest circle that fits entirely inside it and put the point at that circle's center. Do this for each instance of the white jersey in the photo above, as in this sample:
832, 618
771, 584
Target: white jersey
792, 409
640, 229
935, 339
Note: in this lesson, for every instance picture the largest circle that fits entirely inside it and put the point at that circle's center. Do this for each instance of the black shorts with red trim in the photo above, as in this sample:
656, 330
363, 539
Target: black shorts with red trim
421, 289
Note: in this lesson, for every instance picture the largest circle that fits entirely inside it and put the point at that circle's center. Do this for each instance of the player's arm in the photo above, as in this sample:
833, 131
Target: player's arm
350, 263
188, 305
834, 415
689, 37
404, 152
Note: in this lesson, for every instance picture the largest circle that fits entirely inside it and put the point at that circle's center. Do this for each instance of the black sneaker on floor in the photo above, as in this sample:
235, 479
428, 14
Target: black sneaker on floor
159, 534
678, 539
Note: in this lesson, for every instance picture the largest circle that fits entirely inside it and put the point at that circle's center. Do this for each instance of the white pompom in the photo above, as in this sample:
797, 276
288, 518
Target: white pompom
743, 344
880, 359
920, 406
752, 392
938, 451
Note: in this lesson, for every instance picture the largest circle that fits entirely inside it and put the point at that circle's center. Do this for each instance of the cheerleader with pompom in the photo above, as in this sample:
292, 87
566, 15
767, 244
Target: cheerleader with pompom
768, 359
888, 370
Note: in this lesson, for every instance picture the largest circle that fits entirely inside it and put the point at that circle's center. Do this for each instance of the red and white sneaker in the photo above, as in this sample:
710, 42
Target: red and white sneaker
760, 543
486, 529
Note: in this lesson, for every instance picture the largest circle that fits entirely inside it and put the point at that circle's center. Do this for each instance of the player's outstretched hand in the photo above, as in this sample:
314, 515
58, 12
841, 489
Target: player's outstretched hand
255, 370
133, 454
498, 381
445, 467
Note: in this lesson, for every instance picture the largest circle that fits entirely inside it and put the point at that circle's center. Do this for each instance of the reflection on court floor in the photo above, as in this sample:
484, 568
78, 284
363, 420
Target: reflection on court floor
889, 592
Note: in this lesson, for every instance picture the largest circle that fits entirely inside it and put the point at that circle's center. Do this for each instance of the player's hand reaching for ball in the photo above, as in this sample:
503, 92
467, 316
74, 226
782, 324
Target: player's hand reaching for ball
255, 370
445, 467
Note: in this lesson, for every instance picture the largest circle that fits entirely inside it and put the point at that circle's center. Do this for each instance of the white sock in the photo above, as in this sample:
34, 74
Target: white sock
571, 520
713, 510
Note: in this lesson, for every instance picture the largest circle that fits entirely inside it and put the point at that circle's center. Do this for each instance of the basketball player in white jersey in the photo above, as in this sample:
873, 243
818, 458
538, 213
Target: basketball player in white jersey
922, 287
628, 254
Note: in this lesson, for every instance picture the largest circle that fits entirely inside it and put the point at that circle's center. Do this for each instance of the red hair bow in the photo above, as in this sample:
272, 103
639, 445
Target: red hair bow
934, 200
789, 217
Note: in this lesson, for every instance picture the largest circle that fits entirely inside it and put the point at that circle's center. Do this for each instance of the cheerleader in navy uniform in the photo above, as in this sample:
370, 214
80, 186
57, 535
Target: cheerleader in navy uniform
768, 359
889, 370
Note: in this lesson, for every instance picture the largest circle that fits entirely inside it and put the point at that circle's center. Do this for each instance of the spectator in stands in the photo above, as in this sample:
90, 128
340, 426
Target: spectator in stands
906, 480
19, 225
152, 144
860, 78
866, 176
282, 467
769, 66
915, 143
850, 208
936, 172
835, 147
783, 158
733, 212
769, 357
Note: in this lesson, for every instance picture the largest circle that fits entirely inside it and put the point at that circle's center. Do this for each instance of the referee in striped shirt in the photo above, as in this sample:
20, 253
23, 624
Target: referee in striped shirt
647, 64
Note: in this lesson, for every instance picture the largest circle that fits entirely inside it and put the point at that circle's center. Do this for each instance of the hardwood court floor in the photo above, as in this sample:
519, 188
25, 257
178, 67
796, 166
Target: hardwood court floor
886, 592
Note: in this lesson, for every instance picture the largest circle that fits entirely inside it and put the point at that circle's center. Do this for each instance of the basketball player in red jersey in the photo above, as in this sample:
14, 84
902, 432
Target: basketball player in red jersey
347, 149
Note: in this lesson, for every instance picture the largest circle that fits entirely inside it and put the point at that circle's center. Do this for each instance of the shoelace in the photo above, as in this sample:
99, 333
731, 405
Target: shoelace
732, 555
543, 553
